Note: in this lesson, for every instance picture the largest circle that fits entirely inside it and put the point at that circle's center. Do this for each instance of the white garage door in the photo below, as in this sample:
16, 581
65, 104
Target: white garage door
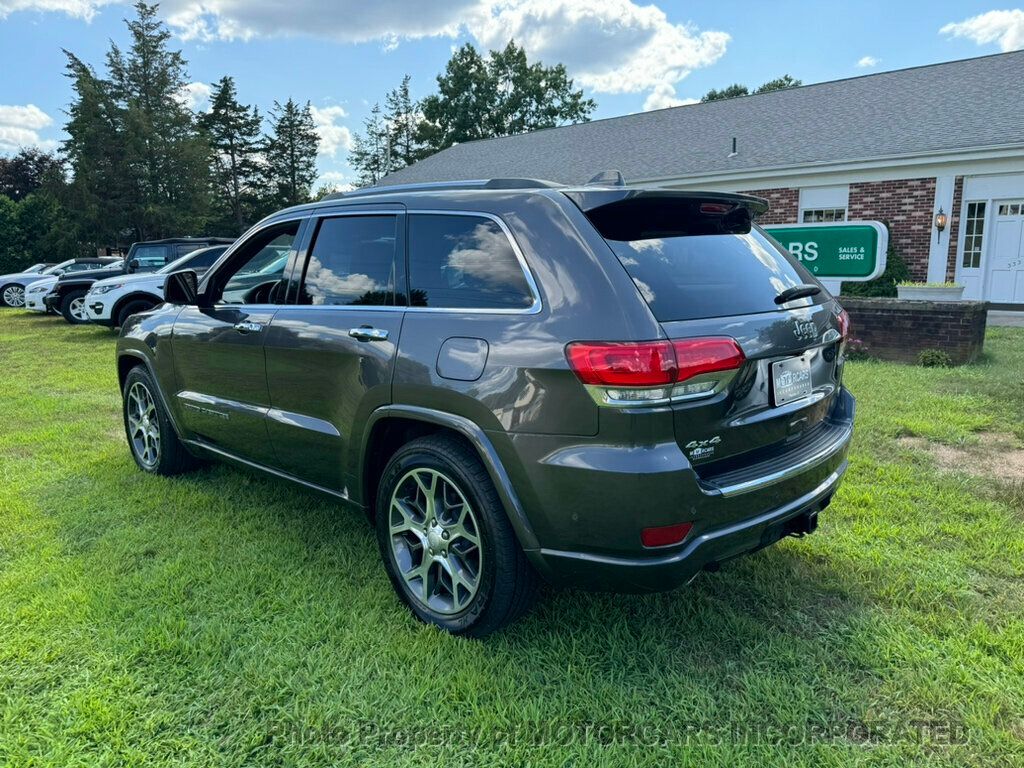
1006, 254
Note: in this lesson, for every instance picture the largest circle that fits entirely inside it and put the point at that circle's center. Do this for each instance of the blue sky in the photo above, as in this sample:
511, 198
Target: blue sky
342, 55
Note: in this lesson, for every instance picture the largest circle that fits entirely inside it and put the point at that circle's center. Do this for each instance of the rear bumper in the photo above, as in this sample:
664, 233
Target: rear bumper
655, 574
588, 512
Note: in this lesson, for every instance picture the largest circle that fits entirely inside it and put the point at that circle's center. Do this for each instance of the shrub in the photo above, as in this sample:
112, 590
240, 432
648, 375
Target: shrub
885, 284
934, 358
856, 349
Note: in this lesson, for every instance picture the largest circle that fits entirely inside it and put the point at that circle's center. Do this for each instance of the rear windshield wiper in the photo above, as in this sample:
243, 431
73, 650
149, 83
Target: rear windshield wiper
797, 292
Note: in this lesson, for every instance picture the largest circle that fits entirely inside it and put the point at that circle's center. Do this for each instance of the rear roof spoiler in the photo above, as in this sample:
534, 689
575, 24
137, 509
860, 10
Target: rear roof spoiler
589, 198
640, 214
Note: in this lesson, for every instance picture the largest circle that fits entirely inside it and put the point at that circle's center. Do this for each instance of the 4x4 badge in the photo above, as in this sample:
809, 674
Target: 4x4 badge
702, 449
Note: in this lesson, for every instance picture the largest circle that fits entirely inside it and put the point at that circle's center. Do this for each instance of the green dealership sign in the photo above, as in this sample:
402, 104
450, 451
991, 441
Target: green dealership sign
851, 250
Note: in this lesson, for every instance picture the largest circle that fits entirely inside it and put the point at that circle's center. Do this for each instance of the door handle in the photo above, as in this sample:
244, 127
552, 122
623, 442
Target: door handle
247, 326
366, 333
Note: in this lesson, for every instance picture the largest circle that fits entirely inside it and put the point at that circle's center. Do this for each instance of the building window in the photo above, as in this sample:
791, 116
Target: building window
816, 215
1012, 208
974, 231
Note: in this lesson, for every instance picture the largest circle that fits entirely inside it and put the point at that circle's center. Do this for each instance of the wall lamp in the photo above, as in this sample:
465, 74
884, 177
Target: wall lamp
940, 223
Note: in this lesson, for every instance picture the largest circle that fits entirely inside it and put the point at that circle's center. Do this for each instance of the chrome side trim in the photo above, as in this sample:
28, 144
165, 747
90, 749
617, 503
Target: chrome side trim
302, 421
204, 446
781, 475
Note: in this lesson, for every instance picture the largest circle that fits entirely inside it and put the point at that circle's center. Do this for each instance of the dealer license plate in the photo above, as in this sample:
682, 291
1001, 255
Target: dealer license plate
791, 380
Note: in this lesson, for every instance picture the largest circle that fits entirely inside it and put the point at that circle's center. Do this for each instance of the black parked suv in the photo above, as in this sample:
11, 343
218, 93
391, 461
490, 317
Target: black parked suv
68, 295
607, 387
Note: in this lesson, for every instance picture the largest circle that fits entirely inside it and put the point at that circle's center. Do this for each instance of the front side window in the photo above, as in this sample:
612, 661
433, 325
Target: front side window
353, 262
974, 233
256, 271
818, 215
464, 262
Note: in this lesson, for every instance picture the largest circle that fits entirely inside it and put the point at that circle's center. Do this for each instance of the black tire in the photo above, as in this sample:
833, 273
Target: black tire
12, 289
171, 457
506, 584
68, 303
132, 307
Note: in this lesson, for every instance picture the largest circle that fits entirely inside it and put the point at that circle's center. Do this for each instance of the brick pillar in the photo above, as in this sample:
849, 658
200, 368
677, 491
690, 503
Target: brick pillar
906, 206
954, 227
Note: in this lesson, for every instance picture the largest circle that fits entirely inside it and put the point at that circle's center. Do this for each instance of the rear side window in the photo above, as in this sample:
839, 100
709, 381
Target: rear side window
181, 250
464, 262
352, 262
696, 276
151, 255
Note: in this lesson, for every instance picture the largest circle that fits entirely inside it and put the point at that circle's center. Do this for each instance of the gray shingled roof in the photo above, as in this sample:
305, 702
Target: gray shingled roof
941, 107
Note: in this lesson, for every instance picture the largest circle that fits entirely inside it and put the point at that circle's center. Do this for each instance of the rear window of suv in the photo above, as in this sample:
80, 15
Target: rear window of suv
697, 276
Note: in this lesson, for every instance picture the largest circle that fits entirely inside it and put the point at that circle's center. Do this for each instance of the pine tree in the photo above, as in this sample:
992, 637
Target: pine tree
94, 152
233, 131
167, 159
402, 116
371, 153
291, 150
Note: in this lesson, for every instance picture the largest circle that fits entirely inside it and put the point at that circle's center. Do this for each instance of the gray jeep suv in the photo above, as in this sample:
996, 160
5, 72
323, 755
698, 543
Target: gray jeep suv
602, 386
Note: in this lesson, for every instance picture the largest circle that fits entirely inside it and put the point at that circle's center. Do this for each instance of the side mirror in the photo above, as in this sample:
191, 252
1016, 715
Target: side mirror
182, 288
133, 265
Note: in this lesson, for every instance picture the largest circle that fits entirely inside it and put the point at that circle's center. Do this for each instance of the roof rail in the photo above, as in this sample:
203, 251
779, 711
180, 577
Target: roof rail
427, 186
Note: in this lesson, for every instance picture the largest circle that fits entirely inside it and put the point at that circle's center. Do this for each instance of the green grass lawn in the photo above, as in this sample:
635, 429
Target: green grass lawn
221, 618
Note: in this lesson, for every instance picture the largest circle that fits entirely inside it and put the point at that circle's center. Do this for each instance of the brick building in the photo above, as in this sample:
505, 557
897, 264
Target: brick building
899, 147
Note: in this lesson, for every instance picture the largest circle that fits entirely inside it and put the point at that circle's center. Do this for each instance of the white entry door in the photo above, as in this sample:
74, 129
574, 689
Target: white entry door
1006, 253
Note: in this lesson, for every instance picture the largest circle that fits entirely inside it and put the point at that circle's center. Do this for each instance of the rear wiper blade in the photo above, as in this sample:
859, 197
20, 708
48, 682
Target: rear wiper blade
797, 292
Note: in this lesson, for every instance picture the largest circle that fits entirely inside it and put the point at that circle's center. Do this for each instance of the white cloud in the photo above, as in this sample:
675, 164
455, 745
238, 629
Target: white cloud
332, 136
612, 46
81, 9
615, 46
1003, 27
866, 62
336, 180
196, 96
664, 95
20, 126
350, 21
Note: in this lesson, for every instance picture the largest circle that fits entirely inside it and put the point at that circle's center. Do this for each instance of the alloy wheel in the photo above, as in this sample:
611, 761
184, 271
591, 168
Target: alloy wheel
143, 425
77, 309
435, 540
14, 296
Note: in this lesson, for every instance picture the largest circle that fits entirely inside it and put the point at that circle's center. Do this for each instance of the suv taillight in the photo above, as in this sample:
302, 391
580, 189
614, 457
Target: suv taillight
650, 372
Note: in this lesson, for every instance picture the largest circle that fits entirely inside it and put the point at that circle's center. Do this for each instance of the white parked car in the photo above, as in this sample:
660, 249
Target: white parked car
12, 287
34, 293
112, 300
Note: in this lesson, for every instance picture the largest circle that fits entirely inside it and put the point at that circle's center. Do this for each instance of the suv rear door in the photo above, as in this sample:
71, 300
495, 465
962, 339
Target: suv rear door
331, 352
705, 273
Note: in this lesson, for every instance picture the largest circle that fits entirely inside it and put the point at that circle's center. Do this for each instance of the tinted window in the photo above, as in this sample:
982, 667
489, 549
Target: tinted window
82, 267
255, 273
695, 276
151, 255
352, 262
206, 258
181, 250
464, 262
